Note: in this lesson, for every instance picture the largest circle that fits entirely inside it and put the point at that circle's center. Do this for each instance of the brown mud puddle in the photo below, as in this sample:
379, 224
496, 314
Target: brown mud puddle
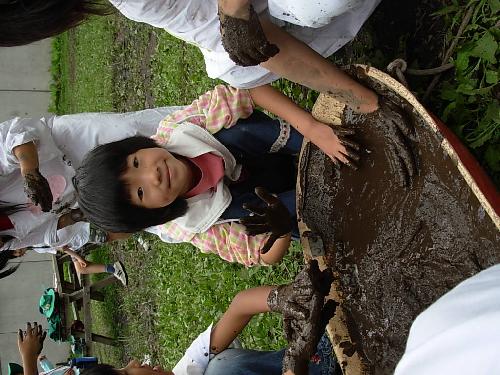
395, 249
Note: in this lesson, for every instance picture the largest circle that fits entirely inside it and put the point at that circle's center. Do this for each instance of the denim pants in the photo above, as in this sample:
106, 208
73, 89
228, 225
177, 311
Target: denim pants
254, 362
250, 141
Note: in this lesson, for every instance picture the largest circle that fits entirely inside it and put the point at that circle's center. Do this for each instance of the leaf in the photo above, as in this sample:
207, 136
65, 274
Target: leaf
446, 10
491, 77
462, 61
494, 5
492, 157
486, 48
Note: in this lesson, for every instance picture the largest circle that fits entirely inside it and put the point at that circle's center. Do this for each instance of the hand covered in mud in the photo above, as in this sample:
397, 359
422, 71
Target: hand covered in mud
333, 141
273, 217
306, 294
37, 189
292, 300
244, 40
399, 130
303, 336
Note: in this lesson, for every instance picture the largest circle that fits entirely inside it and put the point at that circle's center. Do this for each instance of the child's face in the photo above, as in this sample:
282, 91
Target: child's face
155, 178
135, 368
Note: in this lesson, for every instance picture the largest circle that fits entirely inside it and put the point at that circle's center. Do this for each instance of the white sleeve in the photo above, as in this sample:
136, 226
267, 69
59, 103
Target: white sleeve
197, 356
157, 13
15, 132
459, 333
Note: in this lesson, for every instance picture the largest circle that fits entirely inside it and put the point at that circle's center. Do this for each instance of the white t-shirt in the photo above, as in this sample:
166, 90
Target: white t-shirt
196, 22
62, 142
195, 359
459, 333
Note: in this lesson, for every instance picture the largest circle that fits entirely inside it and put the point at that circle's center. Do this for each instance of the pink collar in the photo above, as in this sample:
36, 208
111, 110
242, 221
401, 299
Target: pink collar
212, 170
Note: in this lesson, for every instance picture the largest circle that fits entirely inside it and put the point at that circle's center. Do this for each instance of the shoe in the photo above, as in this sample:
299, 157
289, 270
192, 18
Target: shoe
120, 273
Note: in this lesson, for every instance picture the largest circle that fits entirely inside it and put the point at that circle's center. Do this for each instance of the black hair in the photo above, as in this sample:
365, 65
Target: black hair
101, 369
103, 196
5, 256
26, 21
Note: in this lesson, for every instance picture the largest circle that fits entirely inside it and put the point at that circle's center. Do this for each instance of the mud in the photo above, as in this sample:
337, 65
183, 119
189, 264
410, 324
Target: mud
395, 250
308, 292
244, 40
37, 189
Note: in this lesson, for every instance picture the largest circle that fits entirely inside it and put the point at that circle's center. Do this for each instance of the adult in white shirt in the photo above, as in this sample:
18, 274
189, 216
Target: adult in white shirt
459, 333
285, 25
58, 144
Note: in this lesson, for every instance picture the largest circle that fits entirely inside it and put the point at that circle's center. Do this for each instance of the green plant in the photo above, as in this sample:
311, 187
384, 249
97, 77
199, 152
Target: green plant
471, 98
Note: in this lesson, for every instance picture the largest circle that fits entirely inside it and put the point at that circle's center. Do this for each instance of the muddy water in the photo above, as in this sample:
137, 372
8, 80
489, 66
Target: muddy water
396, 249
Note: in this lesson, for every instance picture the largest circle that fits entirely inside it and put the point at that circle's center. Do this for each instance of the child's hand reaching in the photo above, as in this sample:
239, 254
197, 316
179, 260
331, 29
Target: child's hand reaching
333, 141
274, 218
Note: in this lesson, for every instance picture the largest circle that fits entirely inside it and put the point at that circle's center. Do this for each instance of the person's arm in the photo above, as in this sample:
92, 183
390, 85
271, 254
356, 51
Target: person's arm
30, 344
336, 146
244, 306
35, 185
235, 8
231, 242
299, 63
219, 108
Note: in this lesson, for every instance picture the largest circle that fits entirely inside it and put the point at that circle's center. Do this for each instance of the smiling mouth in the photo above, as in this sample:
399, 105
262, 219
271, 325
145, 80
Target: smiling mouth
167, 174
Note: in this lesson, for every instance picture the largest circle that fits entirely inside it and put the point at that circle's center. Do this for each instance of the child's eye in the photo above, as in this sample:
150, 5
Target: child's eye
140, 193
136, 163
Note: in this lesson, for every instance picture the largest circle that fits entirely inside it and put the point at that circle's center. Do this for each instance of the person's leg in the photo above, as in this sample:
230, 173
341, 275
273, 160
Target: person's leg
90, 268
299, 63
259, 134
245, 362
253, 362
115, 269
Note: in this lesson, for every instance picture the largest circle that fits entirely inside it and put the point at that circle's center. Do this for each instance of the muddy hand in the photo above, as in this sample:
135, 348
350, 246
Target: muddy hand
306, 334
37, 189
273, 217
399, 132
244, 40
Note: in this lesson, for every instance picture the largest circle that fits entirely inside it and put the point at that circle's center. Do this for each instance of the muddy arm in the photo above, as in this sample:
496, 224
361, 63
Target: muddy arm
299, 63
244, 306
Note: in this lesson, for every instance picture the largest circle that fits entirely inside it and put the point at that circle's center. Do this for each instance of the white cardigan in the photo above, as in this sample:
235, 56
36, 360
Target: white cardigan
204, 210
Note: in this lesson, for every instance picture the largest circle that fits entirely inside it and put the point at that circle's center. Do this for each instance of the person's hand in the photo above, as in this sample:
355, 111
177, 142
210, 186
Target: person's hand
274, 218
81, 261
37, 189
399, 130
303, 335
333, 141
293, 300
30, 341
244, 40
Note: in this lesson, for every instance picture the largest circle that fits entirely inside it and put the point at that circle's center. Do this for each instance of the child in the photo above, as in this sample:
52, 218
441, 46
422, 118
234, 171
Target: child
194, 191
81, 265
302, 305
37, 161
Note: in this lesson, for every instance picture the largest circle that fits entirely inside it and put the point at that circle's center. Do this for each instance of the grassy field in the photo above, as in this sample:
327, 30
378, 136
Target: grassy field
112, 64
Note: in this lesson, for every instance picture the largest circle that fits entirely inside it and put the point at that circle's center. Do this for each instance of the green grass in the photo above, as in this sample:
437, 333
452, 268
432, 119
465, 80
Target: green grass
174, 293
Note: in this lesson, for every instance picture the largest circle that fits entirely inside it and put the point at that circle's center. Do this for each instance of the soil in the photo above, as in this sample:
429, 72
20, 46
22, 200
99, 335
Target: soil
396, 249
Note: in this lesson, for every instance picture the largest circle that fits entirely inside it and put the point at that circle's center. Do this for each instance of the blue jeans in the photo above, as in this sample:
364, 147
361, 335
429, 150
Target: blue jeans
253, 362
250, 142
